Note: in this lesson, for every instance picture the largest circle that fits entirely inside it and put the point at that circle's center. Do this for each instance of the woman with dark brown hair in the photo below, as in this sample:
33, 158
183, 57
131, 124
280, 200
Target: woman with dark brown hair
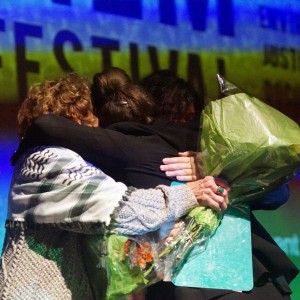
116, 98
175, 98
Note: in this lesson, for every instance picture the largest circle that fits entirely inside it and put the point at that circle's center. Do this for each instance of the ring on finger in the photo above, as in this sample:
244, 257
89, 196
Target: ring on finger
220, 190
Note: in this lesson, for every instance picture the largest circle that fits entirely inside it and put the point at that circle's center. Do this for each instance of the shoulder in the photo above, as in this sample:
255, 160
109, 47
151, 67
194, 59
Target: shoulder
51, 157
51, 162
44, 154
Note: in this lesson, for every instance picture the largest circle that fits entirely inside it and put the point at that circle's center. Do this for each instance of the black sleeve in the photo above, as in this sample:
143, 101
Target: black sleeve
102, 147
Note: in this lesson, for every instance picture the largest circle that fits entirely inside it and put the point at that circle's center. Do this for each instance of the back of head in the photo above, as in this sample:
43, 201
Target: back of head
68, 96
174, 97
117, 98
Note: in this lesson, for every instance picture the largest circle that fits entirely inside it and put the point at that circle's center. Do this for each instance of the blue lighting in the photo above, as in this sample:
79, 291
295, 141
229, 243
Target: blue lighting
8, 144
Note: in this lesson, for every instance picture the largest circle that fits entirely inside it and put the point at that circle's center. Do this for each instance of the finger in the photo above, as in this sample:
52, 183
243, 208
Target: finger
216, 202
186, 178
223, 183
181, 166
223, 206
218, 186
187, 154
219, 194
172, 160
220, 190
183, 172
208, 201
217, 205
222, 202
185, 166
224, 196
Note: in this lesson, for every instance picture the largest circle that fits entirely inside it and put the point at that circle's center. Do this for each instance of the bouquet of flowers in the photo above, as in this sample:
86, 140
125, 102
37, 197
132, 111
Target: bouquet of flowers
135, 262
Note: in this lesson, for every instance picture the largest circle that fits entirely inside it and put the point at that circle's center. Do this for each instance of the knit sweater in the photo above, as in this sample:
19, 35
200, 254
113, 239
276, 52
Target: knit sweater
56, 198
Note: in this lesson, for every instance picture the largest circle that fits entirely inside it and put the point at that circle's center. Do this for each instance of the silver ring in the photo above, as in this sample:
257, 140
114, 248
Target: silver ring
220, 189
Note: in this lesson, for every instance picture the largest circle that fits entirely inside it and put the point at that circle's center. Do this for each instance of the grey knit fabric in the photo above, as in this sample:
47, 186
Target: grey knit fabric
142, 211
34, 261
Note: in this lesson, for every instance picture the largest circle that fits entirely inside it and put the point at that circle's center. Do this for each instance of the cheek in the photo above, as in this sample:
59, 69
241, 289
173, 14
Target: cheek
93, 121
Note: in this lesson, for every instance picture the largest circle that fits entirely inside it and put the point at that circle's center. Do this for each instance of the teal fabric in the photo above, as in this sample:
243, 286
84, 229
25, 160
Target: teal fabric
226, 263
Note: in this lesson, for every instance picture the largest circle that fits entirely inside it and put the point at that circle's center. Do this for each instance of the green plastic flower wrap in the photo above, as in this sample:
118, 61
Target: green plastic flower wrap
253, 146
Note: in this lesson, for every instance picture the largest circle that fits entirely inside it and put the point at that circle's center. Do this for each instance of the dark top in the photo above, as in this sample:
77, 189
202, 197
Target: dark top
129, 152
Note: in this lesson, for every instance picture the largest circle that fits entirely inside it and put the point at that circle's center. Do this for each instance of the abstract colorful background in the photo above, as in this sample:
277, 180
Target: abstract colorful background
255, 44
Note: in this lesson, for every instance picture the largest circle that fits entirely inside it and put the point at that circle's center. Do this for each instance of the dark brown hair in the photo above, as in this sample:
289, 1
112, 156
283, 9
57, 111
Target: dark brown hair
117, 98
174, 97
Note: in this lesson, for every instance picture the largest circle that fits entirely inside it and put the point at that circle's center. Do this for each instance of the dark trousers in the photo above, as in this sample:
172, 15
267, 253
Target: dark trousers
167, 291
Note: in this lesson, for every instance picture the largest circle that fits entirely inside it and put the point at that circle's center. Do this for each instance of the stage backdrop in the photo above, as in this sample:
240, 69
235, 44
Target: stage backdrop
255, 44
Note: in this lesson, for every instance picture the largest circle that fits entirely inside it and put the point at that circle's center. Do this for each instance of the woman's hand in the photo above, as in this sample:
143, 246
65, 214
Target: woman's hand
183, 168
211, 191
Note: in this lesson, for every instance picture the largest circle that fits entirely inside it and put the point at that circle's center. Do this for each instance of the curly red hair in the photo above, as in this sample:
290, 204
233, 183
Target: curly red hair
68, 96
